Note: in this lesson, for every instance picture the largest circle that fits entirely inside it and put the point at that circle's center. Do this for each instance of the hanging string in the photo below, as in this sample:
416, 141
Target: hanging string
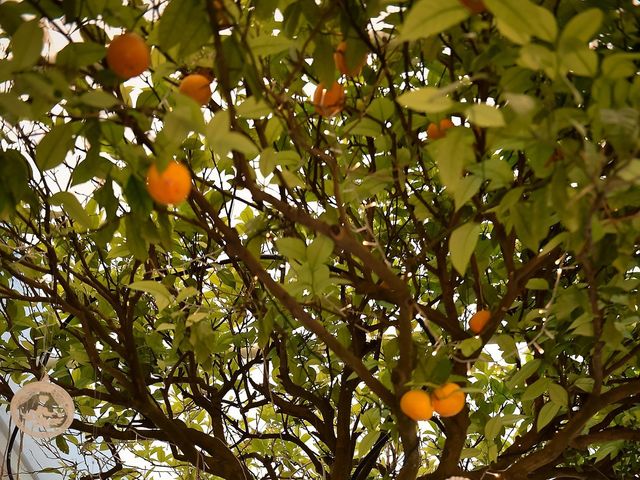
6, 450
19, 454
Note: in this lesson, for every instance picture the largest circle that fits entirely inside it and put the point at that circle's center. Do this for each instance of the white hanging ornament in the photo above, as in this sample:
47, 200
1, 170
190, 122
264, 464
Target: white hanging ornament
42, 409
458, 478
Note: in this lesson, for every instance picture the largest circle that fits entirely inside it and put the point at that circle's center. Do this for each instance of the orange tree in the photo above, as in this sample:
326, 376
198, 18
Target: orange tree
322, 266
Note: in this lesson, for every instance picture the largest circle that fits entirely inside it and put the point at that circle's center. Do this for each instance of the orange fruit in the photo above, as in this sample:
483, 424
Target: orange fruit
475, 6
339, 56
197, 87
328, 102
479, 320
436, 131
128, 55
416, 404
171, 186
448, 400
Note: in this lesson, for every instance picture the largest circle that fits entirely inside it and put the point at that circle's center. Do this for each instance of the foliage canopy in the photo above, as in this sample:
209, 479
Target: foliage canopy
322, 266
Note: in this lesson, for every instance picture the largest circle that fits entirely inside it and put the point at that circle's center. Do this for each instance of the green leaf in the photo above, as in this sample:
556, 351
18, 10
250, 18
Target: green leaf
465, 189
585, 384
536, 389
53, 148
381, 109
185, 24
62, 444
581, 28
161, 295
619, 65
323, 62
547, 413
80, 55
469, 345
427, 100
252, 107
292, 248
539, 57
462, 243
319, 251
484, 115
26, 45
523, 373
537, 284
265, 45
367, 442
492, 428
494, 169
73, 208
580, 61
222, 140
99, 99
526, 17
136, 243
558, 395
431, 17
452, 154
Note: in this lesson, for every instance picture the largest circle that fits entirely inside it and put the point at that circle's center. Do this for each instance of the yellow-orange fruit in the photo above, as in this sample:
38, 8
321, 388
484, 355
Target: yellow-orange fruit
328, 102
436, 131
448, 400
475, 6
479, 320
340, 59
171, 186
196, 86
128, 55
416, 404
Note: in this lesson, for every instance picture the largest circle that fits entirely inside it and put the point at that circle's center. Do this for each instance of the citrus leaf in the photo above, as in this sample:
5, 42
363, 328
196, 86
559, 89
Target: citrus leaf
581, 28
484, 115
526, 17
292, 248
536, 389
547, 413
523, 373
26, 45
558, 395
53, 148
461, 245
159, 292
72, 207
427, 99
431, 17
319, 251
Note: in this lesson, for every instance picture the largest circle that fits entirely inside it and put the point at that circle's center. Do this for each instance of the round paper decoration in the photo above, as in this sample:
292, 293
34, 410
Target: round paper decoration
42, 409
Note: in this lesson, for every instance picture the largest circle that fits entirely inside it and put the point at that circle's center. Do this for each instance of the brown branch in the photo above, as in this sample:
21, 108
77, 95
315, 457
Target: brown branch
235, 248
606, 435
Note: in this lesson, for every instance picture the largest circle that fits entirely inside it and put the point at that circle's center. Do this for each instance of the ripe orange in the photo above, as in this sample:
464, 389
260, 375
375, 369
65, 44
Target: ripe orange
416, 404
479, 320
197, 87
128, 55
328, 102
448, 400
171, 186
475, 6
434, 132
340, 58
